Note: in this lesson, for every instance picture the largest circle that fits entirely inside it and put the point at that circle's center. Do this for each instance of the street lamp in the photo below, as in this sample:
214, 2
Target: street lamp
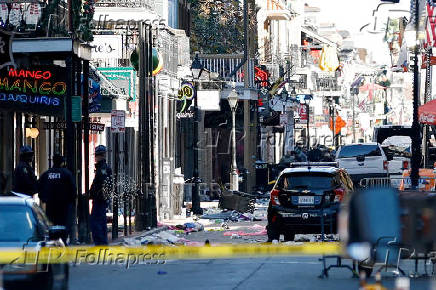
233, 102
306, 101
197, 69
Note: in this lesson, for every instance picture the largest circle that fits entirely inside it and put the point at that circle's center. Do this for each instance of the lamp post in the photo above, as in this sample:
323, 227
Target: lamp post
197, 69
233, 102
412, 35
354, 93
306, 102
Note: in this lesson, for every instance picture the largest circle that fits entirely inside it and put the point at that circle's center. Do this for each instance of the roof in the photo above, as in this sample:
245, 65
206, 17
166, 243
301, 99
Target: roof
316, 169
15, 200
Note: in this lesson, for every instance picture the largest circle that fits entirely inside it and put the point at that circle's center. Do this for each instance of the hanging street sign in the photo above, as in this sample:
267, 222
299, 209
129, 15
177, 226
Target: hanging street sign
185, 101
118, 121
61, 125
76, 102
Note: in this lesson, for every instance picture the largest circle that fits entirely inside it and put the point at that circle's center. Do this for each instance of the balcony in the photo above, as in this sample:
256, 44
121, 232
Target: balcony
225, 64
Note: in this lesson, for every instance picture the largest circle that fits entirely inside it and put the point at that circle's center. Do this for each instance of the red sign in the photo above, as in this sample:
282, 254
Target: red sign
303, 113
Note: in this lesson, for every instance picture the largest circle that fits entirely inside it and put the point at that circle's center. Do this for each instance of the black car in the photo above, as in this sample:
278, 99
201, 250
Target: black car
23, 225
306, 200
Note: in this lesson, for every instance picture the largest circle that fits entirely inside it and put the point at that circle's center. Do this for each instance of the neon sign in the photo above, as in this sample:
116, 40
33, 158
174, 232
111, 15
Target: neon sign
39, 90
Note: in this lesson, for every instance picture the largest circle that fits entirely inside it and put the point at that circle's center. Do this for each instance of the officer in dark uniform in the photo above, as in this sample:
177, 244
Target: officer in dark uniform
57, 189
98, 195
24, 179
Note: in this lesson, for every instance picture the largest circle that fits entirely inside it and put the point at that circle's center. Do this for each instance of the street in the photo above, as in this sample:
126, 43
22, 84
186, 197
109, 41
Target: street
262, 273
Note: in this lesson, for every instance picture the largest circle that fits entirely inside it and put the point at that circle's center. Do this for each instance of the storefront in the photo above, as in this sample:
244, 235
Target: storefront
43, 104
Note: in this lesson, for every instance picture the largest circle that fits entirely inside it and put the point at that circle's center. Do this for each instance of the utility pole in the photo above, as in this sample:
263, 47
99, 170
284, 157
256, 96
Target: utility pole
427, 97
416, 128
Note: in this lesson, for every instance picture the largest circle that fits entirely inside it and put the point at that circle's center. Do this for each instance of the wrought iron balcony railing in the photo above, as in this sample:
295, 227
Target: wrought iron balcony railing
225, 64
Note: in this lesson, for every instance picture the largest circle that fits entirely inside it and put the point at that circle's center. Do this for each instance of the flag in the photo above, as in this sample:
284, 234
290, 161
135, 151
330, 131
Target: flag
430, 27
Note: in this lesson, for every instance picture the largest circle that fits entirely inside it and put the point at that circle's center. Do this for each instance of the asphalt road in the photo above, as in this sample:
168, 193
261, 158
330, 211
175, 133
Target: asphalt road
262, 273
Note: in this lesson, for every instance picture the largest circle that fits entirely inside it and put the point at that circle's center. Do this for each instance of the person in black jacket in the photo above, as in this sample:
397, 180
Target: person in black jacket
24, 178
98, 194
57, 189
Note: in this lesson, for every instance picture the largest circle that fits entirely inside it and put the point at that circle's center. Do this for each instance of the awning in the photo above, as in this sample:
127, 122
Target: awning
427, 113
317, 37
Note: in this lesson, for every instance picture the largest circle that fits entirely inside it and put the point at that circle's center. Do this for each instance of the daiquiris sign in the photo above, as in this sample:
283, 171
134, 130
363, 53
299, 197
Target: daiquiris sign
38, 90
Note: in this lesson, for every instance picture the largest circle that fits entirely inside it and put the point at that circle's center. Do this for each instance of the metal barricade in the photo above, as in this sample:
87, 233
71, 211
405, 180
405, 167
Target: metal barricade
376, 182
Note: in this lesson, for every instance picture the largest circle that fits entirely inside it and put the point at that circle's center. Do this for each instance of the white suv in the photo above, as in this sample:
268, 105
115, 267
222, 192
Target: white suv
364, 160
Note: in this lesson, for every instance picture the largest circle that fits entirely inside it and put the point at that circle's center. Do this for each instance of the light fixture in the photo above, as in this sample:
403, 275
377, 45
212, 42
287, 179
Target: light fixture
196, 67
32, 133
233, 99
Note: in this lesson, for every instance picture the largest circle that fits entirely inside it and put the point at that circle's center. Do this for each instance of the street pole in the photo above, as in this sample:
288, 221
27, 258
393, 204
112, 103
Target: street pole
234, 180
115, 187
416, 136
353, 96
308, 125
196, 209
427, 97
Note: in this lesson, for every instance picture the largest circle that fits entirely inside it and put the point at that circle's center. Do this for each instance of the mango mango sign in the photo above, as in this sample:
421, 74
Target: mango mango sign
38, 90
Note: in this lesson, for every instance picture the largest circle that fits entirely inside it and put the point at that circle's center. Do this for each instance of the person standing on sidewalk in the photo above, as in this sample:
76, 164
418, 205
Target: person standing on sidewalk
97, 194
24, 178
57, 189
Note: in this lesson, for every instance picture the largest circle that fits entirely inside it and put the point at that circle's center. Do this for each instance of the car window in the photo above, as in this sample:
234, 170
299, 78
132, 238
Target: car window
17, 224
359, 150
301, 181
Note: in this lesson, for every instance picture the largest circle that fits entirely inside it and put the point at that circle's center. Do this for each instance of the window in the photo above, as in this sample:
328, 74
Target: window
359, 150
302, 181
17, 224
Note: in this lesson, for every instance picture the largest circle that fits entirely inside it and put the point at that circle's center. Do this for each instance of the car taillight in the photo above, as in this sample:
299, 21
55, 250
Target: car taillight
385, 165
339, 194
405, 164
275, 197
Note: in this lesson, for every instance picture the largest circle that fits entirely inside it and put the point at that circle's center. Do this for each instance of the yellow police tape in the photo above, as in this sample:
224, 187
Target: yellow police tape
158, 254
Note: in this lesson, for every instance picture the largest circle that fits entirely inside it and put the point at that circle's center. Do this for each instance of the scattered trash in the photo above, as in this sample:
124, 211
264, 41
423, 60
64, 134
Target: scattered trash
225, 226
235, 236
304, 238
193, 227
275, 242
261, 232
225, 215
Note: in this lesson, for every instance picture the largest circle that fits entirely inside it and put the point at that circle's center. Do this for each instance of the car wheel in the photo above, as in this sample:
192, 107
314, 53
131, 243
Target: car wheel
289, 237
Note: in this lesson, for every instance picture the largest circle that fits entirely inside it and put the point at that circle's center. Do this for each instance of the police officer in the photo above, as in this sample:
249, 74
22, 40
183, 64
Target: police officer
57, 190
24, 179
98, 195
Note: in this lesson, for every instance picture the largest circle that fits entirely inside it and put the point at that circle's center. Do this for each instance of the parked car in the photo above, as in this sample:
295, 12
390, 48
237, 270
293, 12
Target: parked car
23, 225
363, 160
302, 196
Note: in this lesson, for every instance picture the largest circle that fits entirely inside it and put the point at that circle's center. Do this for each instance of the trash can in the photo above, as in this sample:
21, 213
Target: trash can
261, 168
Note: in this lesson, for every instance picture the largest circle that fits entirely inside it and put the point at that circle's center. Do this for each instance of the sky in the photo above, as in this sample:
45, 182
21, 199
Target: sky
351, 15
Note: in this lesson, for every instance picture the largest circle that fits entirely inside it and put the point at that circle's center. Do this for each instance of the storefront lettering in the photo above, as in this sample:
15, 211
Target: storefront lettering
22, 73
25, 86
26, 99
